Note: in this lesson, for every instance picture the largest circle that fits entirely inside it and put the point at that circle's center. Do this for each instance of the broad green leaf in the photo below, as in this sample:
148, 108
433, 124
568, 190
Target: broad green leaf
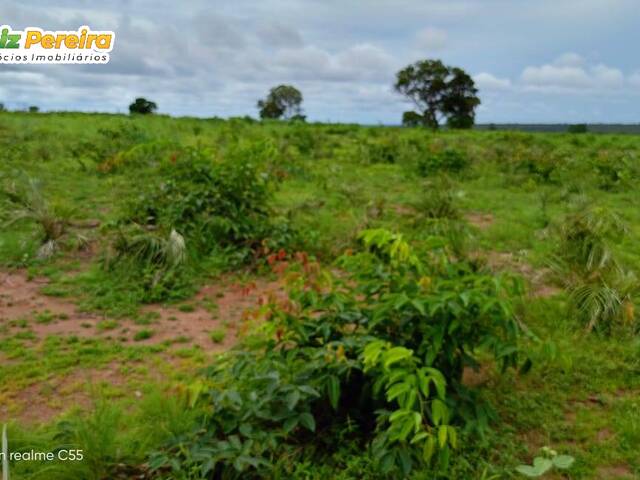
527, 470
442, 435
396, 354
333, 390
397, 390
290, 423
398, 414
429, 448
563, 461
407, 427
292, 399
419, 436
453, 437
439, 411
542, 465
307, 421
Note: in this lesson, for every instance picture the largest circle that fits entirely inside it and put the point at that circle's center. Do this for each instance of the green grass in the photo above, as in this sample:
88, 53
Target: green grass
218, 335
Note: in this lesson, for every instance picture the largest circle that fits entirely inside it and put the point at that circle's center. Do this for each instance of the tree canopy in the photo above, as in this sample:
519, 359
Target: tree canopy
142, 106
283, 101
439, 92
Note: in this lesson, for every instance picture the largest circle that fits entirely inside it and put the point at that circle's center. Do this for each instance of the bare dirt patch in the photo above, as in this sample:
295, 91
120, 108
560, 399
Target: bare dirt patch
21, 301
220, 306
614, 472
537, 277
481, 221
215, 307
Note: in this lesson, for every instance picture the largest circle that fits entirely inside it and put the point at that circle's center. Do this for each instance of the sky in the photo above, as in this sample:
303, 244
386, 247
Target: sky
533, 61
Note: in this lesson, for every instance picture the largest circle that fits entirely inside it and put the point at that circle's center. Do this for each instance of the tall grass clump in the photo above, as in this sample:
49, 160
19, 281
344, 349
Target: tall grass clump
600, 289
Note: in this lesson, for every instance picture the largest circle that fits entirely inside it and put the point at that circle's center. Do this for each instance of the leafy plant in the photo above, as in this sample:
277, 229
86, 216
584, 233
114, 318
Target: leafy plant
448, 160
545, 463
378, 356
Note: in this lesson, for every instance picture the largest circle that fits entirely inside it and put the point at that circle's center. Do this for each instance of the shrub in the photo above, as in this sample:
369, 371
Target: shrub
106, 150
615, 170
199, 207
439, 215
600, 289
376, 357
448, 160
212, 203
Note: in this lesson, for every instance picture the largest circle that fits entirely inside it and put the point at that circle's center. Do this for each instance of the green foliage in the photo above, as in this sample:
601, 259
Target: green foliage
447, 160
439, 91
22, 202
142, 106
599, 287
545, 463
212, 203
379, 355
218, 335
412, 119
439, 215
199, 207
282, 101
615, 171
577, 128
385, 150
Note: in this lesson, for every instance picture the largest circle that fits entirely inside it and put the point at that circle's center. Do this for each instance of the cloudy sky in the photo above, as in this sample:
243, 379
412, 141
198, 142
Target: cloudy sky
533, 60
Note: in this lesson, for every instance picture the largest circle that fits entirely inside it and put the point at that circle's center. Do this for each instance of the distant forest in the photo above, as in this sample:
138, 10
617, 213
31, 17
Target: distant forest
562, 127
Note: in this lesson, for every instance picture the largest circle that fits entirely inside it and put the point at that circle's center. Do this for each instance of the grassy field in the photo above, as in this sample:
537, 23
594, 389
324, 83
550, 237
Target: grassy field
117, 297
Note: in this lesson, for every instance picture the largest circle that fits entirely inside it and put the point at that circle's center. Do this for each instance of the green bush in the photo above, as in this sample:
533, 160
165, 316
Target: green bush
375, 359
199, 207
448, 160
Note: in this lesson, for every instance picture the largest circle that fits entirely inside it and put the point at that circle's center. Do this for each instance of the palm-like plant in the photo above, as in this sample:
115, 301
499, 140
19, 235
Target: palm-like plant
599, 288
24, 202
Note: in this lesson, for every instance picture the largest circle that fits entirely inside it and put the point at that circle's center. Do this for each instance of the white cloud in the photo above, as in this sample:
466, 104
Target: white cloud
359, 62
607, 77
486, 81
571, 73
431, 39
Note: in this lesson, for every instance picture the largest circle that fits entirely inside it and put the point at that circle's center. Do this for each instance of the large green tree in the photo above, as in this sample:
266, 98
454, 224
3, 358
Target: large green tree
439, 92
283, 101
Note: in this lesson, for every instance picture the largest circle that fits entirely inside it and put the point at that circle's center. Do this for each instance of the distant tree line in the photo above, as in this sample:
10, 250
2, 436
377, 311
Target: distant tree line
442, 95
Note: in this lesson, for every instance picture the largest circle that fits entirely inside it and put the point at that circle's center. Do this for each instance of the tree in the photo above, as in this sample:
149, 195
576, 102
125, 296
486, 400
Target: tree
142, 106
412, 119
460, 103
439, 92
2, 109
33, 109
282, 101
